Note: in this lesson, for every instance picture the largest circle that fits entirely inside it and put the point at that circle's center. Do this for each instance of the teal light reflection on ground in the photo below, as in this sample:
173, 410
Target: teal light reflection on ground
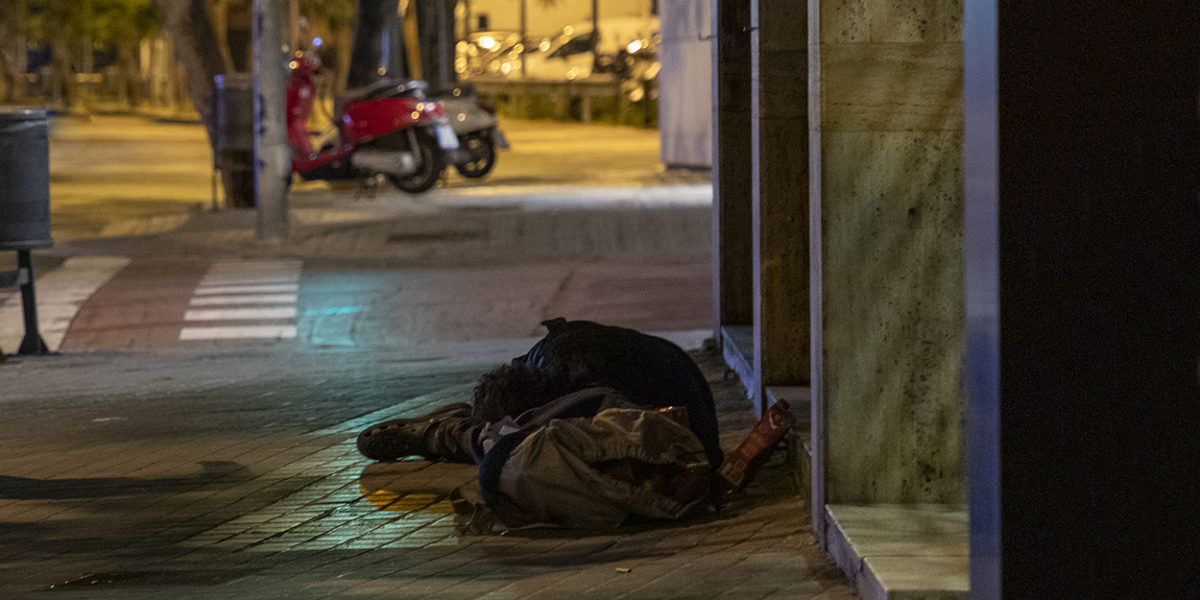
332, 312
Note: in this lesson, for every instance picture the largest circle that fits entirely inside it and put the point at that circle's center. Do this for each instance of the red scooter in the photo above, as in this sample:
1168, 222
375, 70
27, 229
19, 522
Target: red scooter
388, 128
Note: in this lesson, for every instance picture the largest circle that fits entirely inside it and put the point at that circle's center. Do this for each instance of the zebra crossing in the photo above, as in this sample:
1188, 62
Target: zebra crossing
244, 300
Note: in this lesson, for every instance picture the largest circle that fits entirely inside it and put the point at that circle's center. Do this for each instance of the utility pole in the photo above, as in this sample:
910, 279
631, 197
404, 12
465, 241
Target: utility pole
435, 25
447, 38
272, 162
466, 31
89, 59
294, 41
372, 20
524, 35
395, 58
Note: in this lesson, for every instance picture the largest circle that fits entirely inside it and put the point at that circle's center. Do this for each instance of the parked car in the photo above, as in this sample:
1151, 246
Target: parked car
483, 52
575, 52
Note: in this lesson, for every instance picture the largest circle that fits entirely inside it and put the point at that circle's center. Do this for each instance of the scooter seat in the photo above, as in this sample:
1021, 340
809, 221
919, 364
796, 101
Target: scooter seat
387, 88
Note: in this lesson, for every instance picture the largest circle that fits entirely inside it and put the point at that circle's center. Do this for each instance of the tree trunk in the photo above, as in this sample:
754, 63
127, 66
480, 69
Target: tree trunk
220, 23
9, 87
12, 49
128, 75
369, 22
196, 47
345, 40
63, 84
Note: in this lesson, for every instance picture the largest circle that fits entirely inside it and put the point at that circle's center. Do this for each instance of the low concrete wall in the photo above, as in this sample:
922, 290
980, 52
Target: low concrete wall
600, 98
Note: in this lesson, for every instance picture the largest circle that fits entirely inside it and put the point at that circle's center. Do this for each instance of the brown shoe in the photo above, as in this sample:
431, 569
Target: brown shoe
418, 436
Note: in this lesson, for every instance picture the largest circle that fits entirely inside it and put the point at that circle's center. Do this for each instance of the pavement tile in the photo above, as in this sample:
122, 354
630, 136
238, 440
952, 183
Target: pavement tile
280, 512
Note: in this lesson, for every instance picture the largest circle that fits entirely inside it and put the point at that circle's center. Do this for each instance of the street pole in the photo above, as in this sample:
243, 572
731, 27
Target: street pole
466, 31
89, 60
524, 35
395, 60
294, 25
272, 163
595, 33
446, 41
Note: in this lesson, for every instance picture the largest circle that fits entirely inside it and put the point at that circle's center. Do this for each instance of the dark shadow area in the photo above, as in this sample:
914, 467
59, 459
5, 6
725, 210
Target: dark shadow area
107, 579
134, 517
26, 488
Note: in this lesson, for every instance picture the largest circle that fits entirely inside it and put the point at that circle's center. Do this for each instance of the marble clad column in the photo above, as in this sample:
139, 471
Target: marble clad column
888, 196
732, 262
1082, 238
779, 115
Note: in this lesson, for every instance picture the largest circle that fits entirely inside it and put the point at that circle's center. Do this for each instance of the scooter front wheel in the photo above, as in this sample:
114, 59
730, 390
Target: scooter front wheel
430, 165
482, 153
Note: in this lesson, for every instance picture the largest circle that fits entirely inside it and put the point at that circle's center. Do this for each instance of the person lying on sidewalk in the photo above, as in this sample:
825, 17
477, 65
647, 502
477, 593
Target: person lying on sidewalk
595, 424
647, 371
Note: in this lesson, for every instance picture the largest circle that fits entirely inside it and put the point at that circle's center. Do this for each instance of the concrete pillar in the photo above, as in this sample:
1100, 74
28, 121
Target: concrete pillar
272, 159
779, 132
435, 26
732, 262
1082, 236
888, 291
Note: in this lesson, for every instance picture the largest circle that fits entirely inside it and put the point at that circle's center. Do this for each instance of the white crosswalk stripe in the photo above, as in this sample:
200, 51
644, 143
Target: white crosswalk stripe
244, 300
242, 277
241, 314
274, 288
246, 332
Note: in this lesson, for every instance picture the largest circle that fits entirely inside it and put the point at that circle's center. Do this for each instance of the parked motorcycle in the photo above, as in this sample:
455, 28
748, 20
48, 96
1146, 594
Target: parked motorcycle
388, 128
477, 130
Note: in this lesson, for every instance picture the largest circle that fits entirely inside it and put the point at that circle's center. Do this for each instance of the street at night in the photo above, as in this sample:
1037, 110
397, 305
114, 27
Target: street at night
193, 437
599, 299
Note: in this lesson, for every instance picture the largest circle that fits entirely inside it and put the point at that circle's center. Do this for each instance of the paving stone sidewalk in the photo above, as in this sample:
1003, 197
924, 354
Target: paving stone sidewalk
442, 229
177, 488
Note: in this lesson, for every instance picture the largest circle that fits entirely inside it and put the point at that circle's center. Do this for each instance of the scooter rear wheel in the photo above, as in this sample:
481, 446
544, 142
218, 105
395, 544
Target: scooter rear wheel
431, 164
482, 152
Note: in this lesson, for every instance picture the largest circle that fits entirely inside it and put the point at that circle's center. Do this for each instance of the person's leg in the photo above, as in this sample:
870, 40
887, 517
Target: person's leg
443, 434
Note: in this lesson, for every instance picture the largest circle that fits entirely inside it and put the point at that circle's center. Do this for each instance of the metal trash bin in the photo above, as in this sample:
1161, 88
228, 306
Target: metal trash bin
233, 144
24, 179
24, 206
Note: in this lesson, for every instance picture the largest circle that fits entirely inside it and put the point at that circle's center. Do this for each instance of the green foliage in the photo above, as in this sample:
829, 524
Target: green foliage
122, 21
102, 21
338, 13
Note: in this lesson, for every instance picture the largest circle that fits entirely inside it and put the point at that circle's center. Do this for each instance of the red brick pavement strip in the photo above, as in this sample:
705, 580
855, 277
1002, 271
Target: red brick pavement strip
140, 307
143, 306
283, 515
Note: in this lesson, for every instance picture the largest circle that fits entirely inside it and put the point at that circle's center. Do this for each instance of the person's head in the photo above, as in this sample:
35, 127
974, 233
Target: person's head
512, 389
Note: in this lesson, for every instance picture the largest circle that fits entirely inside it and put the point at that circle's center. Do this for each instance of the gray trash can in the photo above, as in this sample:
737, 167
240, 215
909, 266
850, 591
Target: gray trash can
24, 206
24, 179
233, 144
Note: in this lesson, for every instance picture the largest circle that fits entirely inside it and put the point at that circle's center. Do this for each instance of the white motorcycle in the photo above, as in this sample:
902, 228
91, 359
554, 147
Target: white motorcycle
479, 136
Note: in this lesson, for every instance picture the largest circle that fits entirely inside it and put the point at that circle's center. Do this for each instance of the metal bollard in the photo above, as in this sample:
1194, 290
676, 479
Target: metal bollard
24, 207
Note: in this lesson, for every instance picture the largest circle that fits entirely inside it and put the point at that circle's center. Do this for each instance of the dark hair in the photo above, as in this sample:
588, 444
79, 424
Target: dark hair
512, 389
